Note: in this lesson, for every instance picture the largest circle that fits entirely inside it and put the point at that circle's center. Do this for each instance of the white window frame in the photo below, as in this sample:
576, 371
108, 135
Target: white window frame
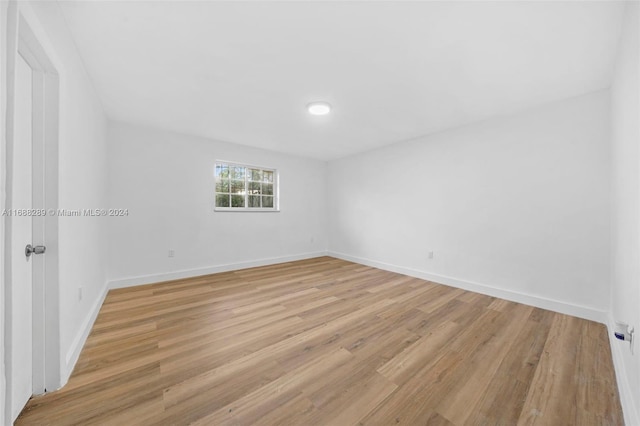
276, 188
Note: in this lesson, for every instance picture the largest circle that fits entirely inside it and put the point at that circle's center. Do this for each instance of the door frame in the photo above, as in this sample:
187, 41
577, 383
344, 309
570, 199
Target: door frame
26, 38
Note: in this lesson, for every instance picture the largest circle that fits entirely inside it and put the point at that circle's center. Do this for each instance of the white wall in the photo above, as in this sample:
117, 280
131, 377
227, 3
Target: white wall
625, 288
166, 181
82, 247
516, 207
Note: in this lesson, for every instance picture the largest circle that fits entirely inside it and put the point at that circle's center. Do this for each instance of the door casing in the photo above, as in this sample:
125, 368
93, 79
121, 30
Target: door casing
25, 37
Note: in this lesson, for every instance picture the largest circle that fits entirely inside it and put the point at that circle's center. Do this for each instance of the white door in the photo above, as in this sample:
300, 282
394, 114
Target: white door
22, 234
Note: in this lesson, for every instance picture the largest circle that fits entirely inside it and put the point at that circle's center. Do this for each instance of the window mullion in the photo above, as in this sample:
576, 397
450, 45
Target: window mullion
254, 190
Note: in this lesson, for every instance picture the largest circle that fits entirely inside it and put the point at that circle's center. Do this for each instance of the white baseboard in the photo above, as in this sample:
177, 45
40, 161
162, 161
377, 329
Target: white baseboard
527, 299
629, 407
81, 337
187, 273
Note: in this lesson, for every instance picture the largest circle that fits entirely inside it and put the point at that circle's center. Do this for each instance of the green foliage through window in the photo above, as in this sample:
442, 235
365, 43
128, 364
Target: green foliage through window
245, 187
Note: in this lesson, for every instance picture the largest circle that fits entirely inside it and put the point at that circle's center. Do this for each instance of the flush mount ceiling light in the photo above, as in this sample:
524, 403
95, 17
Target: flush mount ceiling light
319, 108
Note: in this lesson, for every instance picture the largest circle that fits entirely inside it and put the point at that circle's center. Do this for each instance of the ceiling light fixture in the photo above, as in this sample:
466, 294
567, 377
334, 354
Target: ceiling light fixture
319, 108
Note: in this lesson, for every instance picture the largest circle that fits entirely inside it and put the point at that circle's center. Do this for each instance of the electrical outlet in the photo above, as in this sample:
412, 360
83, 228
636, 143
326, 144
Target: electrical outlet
430, 255
172, 253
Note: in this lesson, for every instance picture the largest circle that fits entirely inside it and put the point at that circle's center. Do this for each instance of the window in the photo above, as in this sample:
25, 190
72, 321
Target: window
245, 188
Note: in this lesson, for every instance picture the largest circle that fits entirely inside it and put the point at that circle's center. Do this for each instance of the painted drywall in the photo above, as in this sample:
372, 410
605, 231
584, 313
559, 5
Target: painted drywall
625, 190
3, 146
244, 71
516, 207
165, 181
82, 185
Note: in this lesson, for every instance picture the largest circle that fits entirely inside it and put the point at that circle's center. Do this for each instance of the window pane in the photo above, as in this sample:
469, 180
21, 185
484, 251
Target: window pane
237, 172
254, 201
267, 188
222, 185
237, 186
267, 201
254, 188
222, 200
268, 176
255, 175
222, 171
237, 201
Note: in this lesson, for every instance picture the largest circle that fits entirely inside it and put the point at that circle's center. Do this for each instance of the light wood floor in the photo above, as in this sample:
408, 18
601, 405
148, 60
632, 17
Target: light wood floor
324, 341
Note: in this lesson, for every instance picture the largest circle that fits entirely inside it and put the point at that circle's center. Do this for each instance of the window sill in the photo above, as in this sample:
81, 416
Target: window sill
245, 210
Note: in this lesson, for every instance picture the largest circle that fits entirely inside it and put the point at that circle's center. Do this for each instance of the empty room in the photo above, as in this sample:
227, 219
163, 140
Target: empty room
319, 212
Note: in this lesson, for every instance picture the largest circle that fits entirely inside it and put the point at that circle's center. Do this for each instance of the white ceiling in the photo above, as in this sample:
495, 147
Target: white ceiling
243, 71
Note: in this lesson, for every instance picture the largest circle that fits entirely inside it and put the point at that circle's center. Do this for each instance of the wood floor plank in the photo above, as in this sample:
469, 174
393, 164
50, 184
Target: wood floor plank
328, 342
422, 351
251, 407
553, 378
354, 402
504, 397
485, 364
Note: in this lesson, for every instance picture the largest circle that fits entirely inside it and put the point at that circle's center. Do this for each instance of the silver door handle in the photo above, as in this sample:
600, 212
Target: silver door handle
29, 250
